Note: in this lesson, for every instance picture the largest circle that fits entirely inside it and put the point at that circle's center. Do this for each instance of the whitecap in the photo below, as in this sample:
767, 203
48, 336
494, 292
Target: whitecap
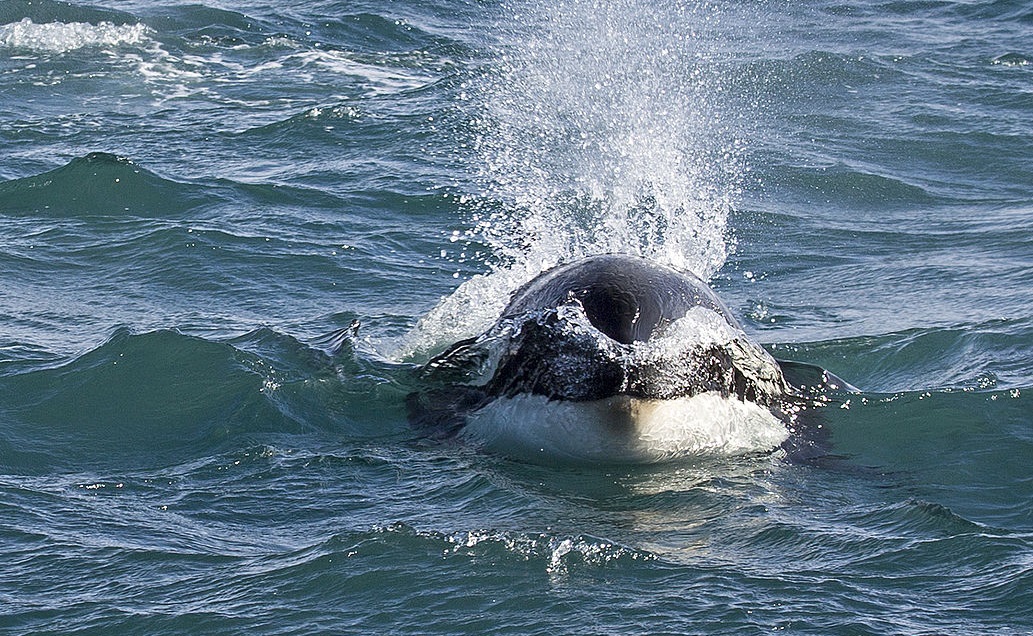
61, 37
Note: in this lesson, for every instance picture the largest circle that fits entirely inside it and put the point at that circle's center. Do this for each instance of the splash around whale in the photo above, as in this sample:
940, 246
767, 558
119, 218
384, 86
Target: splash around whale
610, 358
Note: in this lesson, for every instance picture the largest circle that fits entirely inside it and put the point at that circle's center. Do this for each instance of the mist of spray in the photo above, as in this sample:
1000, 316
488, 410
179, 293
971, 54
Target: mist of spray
598, 127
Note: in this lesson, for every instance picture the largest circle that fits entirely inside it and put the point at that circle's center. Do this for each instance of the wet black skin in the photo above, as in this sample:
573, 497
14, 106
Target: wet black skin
628, 298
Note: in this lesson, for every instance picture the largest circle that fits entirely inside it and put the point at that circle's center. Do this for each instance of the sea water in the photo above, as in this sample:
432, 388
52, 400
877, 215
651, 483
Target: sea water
230, 233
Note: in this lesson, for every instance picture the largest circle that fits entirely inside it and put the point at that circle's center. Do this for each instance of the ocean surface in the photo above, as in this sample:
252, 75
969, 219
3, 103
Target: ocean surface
231, 232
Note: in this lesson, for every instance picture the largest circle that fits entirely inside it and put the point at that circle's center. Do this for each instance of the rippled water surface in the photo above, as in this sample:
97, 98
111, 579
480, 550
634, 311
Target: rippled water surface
229, 235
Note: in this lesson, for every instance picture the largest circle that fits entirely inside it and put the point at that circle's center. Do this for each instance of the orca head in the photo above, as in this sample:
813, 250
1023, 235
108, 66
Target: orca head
641, 358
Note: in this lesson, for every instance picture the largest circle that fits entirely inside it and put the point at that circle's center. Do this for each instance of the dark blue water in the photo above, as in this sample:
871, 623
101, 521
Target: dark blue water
228, 235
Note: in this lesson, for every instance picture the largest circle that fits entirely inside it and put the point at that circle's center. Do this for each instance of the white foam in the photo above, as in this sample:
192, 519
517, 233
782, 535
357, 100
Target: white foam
623, 429
470, 310
382, 80
60, 37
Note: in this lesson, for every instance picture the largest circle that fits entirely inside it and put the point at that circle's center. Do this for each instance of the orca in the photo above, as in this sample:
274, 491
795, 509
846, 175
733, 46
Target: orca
610, 358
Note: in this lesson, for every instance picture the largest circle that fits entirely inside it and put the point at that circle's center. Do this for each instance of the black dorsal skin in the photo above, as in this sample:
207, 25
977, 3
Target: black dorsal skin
628, 298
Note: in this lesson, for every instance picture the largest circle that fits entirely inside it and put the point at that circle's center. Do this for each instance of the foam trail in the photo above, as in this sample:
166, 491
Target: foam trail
600, 127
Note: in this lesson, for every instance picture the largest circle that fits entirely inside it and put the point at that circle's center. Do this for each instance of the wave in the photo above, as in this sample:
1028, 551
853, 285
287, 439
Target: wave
136, 398
216, 55
966, 357
50, 26
323, 527
843, 186
558, 554
163, 397
42, 11
100, 184
955, 438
